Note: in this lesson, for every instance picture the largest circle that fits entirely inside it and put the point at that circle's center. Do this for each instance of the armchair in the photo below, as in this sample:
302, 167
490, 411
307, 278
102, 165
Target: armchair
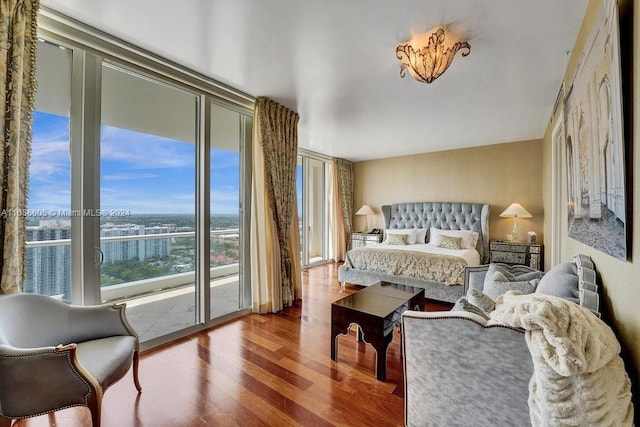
54, 355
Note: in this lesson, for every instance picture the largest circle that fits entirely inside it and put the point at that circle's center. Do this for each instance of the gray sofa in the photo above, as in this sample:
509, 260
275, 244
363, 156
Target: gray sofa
461, 369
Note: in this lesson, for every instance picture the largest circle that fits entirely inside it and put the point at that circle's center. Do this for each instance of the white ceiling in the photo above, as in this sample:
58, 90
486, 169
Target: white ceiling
334, 62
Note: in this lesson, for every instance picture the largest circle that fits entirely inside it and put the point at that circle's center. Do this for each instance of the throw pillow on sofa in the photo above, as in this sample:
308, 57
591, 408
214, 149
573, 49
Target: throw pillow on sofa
481, 300
561, 281
463, 305
498, 284
506, 271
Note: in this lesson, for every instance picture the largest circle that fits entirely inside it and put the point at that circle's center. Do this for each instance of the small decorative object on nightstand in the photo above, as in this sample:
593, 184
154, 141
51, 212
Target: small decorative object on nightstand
364, 239
529, 254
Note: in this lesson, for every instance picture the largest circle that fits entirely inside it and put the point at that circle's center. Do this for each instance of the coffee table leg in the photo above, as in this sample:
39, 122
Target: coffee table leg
334, 342
381, 344
337, 328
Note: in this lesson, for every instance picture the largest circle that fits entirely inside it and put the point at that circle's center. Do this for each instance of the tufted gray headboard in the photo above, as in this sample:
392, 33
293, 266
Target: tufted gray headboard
443, 215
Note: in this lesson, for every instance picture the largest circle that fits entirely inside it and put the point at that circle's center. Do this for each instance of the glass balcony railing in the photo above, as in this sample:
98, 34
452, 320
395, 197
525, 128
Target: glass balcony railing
49, 273
48, 263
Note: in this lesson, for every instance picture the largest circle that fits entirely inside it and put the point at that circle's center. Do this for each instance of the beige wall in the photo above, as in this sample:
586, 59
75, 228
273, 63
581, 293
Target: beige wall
620, 280
496, 174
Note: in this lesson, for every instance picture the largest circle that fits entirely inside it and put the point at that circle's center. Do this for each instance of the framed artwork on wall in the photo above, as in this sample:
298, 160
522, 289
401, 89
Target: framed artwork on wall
594, 141
557, 185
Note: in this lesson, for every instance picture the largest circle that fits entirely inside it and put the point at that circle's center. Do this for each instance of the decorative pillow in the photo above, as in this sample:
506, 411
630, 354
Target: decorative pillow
561, 281
410, 233
498, 284
506, 272
463, 305
481, 300
421, 235
469, 238
396, 239
448, 242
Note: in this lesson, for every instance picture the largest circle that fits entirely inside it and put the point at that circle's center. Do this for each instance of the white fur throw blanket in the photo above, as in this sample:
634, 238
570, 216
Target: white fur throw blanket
579, 378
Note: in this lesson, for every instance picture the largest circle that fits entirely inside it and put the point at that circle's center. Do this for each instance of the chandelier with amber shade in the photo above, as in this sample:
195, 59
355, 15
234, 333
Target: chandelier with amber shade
427, 56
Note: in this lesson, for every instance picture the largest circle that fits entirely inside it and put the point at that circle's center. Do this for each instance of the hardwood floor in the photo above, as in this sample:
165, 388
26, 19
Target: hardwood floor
259, 370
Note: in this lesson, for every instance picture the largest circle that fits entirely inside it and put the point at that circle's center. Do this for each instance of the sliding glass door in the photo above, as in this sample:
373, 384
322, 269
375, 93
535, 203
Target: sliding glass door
48, 255
313, 205
147, 200
230, 134
152, 177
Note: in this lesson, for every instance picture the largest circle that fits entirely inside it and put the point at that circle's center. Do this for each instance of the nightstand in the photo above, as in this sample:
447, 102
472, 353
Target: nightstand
529, 254
364, 239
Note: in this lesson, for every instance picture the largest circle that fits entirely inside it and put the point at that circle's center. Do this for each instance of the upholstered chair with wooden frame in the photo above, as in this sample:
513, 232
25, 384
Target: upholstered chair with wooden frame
55, 355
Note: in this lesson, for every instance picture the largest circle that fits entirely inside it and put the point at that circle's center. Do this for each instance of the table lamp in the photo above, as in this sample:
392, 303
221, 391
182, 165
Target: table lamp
366, 211
515, 210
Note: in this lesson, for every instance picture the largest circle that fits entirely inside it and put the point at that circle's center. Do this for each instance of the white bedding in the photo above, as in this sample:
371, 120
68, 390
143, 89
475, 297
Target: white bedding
471, 256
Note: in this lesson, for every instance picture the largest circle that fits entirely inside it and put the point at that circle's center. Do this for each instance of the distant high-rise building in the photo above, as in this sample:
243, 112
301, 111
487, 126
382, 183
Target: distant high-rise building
157, 248
138, 248
49, 267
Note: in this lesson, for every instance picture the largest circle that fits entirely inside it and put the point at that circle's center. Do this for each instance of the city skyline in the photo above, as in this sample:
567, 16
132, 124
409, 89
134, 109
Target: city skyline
140, 173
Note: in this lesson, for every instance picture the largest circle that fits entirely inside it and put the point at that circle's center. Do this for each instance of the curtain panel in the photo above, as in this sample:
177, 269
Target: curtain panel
275, 255
336, 226
18, 44
344, 172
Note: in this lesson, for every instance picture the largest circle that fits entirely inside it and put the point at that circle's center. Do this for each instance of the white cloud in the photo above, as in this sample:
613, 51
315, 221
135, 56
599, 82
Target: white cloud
126, 176
50, 198
49, 157
140, 151
140, 201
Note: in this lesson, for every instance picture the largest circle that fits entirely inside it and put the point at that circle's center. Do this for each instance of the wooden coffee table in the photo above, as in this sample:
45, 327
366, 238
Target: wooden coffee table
376, 309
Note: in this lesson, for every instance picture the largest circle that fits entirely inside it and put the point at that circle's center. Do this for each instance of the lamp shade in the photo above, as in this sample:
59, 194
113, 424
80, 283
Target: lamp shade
365, 210
516, 210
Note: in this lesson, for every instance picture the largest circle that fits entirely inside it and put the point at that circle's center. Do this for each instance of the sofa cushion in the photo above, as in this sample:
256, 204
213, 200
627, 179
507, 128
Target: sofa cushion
464, 305
481, 300
498, 284
561, 281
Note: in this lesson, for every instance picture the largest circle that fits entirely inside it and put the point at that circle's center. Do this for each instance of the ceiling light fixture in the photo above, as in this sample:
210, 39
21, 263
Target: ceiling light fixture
427, 56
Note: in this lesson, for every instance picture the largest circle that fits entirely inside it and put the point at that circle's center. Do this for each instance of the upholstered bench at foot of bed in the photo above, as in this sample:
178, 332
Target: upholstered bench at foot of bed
432, 290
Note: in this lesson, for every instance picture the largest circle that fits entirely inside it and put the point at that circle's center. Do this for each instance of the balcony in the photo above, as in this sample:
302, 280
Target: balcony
155, 306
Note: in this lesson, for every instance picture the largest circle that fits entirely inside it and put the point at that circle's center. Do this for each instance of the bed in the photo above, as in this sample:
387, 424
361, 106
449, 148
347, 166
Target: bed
440, 271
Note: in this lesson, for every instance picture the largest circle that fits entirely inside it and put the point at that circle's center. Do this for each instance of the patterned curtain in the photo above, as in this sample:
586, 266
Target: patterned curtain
276, 139
344, 170
18, 44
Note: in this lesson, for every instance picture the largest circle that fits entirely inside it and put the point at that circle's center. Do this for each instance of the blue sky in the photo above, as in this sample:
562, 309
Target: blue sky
138, 172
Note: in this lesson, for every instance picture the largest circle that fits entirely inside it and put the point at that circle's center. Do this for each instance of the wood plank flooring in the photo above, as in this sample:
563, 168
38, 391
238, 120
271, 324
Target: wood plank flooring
259, 370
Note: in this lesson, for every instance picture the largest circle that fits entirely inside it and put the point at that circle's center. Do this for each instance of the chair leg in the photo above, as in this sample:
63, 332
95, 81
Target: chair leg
5, 422
94, 402
136, 380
